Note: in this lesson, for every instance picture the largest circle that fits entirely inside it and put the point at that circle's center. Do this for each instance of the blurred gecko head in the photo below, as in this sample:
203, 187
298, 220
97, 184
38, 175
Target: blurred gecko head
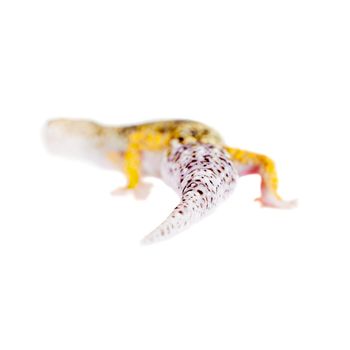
81, 139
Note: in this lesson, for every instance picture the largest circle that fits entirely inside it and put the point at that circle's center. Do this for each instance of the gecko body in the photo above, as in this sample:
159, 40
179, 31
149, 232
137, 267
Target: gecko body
189, 156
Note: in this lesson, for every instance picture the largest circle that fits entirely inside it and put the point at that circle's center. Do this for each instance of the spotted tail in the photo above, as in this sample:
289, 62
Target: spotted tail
203, 175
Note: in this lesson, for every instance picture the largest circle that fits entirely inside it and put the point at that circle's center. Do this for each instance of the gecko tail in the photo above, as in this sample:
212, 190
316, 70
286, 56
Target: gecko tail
184, 215
203, 175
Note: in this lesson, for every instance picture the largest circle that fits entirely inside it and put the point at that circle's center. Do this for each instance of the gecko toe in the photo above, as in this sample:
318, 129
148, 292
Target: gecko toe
277, 203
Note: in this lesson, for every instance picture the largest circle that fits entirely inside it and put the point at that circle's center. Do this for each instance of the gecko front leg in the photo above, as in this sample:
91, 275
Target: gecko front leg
140, 141
130, 163
254, 163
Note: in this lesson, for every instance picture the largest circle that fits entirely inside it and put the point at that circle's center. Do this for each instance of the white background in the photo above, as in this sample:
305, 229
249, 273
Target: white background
273, 77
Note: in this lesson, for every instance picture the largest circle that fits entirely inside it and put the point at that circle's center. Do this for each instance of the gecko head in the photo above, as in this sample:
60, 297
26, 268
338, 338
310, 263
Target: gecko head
75, 138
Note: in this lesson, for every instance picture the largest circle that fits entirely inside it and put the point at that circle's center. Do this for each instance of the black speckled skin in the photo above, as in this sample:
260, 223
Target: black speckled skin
203, 175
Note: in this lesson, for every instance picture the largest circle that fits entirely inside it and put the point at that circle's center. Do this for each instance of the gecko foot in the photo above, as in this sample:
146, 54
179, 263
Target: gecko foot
140, 192
272, 202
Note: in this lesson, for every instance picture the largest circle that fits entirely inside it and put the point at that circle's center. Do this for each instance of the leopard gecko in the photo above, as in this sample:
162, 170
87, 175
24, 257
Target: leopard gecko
189, 156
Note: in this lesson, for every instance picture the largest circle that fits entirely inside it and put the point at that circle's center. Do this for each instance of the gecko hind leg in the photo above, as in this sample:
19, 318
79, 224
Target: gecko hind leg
253, 163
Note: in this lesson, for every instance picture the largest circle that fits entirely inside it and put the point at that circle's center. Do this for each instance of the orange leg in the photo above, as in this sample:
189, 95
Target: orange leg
253, 163
143, 139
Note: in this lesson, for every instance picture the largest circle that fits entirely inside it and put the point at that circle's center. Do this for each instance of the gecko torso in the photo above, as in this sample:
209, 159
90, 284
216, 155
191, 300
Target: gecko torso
189, 156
